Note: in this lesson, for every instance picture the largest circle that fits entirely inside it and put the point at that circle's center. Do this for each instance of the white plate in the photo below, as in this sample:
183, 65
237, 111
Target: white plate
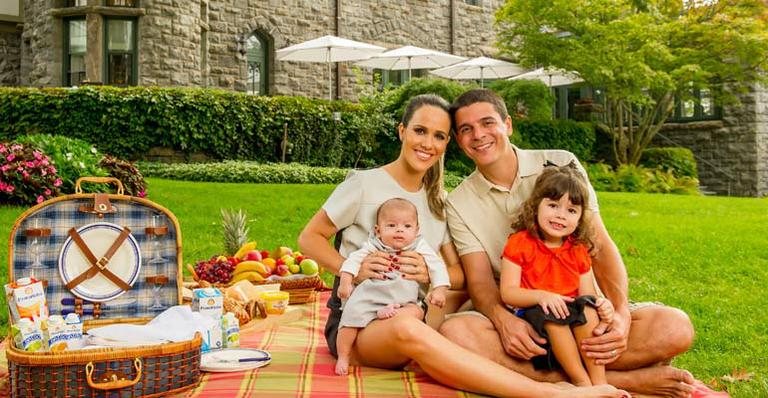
226, 360
125, 263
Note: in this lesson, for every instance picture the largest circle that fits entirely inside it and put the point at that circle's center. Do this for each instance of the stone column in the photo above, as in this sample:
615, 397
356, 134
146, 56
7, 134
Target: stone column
95, 44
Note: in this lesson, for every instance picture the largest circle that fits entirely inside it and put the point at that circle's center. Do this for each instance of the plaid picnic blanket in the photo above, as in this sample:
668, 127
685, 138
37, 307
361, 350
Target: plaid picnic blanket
302, 366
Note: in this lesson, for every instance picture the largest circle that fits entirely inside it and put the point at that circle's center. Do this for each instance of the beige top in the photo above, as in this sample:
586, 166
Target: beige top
480, 213
352, 206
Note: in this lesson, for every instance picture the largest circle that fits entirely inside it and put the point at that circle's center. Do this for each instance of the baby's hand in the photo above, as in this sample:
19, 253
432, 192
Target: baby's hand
437, 297
555, 304
345, 290
604, 309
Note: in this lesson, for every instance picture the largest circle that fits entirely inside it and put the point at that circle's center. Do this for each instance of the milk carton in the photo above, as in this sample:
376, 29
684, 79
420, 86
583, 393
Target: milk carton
230, 329
208, 301
27, 335
26, 299
63, 334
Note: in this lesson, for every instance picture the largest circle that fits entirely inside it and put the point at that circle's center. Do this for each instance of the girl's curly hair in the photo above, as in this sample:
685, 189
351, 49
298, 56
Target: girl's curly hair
553, 183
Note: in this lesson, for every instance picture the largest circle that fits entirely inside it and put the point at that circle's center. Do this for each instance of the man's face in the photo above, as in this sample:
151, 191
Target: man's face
481, 133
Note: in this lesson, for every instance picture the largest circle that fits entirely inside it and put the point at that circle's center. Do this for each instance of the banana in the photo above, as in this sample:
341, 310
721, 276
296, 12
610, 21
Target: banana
245, 249
251, 266
252, 276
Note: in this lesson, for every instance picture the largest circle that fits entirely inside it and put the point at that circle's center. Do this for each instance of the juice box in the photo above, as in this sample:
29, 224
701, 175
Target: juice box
26, 299
27, 335
230, 328
208, 301
212, 338
64, 334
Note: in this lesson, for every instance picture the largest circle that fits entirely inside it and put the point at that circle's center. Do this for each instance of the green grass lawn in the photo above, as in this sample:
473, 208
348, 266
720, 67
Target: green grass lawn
705, 255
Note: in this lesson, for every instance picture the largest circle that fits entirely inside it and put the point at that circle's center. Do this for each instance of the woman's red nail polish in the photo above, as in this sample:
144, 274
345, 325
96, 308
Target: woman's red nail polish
395, 259
397, 267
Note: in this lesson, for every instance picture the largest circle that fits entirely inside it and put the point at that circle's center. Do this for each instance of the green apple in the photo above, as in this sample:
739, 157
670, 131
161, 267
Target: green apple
309, 266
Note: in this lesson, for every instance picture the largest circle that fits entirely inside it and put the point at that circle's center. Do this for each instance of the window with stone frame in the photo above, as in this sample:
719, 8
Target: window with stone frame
394, 78
474, 2
256, 55
700, 105
75, 51
120, 51
122, 3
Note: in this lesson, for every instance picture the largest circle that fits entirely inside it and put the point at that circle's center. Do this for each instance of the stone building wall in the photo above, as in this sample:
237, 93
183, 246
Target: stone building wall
732, 153
10, 56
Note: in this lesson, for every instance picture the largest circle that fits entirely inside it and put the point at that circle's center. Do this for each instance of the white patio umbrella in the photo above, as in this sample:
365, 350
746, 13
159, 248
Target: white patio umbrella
328, 49
551, 77
410, 57
479, 68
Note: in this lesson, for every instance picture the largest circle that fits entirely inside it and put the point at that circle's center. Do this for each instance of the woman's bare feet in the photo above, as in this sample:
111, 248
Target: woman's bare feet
657, 381
388, 312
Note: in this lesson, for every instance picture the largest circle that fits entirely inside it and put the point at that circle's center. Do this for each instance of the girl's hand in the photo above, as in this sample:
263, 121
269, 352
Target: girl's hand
345, 290
555, 304
374, 266
604, 309
412, 266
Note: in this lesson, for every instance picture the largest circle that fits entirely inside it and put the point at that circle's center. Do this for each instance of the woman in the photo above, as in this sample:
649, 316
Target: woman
416, 175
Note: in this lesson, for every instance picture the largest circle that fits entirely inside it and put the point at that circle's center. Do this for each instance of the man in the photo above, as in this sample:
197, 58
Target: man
635, 347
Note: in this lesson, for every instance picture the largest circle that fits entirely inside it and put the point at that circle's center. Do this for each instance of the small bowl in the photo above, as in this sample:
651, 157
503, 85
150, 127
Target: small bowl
275, 302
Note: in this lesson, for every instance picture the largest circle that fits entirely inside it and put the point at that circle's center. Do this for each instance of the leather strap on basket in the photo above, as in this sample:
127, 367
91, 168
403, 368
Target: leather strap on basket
98, 265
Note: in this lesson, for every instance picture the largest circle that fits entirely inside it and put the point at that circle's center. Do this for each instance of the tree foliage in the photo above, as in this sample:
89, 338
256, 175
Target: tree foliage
644, 54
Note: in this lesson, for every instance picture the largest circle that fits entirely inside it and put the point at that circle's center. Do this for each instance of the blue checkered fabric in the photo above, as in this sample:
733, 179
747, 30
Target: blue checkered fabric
60, 216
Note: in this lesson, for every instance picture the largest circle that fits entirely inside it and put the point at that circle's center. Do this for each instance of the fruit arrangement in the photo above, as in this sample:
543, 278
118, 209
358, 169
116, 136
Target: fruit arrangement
254, 265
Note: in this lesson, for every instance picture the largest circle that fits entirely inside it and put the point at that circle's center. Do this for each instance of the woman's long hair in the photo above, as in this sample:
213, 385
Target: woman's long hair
553, 183
433, 178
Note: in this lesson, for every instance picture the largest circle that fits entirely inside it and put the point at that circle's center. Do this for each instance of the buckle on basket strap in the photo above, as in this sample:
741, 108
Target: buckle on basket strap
101, 205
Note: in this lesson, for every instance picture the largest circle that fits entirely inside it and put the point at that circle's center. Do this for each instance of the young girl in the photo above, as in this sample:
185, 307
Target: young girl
546, 272
396, 230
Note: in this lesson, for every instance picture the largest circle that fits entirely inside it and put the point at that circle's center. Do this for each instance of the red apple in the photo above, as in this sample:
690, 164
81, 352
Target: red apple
253, 255
282, 270
264, 254
279, 261
299, 259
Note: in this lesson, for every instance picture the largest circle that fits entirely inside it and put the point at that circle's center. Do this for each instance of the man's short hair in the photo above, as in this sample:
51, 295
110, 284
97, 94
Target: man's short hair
478, 95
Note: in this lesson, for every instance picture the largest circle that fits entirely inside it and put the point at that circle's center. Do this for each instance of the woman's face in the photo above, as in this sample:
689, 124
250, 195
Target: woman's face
425, 137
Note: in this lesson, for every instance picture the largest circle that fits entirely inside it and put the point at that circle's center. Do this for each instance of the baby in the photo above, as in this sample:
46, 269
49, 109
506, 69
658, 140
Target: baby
396, 230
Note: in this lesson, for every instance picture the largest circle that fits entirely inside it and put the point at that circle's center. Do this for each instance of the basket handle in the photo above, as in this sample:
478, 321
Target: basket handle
99, 180
114, 383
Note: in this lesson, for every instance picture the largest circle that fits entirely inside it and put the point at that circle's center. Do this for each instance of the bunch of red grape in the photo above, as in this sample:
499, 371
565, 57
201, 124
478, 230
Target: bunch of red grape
217, 269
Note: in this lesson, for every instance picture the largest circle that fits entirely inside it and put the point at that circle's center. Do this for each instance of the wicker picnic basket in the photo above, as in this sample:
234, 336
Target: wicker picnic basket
147, 260
300, 290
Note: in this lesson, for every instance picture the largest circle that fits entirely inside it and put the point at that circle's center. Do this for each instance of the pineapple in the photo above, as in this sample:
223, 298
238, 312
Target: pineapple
235, 230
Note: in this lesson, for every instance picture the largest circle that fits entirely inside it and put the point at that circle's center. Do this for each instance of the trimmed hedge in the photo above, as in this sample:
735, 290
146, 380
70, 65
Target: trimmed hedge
679, 161
127, 122
576, 137
629, 178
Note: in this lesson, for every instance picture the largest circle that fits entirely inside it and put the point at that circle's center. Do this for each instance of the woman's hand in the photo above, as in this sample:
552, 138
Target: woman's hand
554, 304
374, 266
412, 265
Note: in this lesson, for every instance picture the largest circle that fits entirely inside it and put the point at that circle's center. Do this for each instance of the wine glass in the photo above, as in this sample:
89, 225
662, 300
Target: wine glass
156, 231
37, 234
157, 282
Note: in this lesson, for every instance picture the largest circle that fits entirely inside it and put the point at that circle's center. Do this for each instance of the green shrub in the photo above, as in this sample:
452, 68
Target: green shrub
73, 158
244, 171
27, 176
576, 137
127, 122
525, 99
127, 173
639, 179
679, 161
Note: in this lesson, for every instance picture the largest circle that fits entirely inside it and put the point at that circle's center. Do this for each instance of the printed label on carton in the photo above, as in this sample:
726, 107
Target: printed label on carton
209, 302
27, 336
212, 338
63, 335
230, 328
26, 299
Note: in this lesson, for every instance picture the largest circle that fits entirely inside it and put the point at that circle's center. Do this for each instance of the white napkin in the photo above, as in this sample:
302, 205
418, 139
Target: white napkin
177, 323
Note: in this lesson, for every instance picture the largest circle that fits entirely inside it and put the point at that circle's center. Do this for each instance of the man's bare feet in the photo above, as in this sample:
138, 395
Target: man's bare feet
388, 312
601, 391
655, 381
342, 366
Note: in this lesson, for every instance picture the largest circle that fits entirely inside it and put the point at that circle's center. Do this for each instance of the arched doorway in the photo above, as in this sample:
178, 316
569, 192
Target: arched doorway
257, 58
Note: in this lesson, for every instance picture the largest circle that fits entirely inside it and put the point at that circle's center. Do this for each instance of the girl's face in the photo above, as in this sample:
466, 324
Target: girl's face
425, 138
557, 219
397, 228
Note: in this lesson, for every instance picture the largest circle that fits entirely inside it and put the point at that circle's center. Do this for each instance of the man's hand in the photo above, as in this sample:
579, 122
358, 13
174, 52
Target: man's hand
411, 264
374, 266
610, 339
518, 337
555, 304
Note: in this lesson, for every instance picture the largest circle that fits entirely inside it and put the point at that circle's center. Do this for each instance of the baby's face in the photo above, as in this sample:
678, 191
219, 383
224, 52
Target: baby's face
397, 228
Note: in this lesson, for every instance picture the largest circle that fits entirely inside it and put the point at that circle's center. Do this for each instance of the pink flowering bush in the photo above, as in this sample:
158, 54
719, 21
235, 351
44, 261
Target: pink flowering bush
27, 176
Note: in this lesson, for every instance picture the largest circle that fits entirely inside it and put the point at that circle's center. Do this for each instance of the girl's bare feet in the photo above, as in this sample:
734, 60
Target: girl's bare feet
342, 366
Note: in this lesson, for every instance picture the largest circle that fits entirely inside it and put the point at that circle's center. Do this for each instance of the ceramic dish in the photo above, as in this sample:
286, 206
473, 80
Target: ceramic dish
125, 263
234, 360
